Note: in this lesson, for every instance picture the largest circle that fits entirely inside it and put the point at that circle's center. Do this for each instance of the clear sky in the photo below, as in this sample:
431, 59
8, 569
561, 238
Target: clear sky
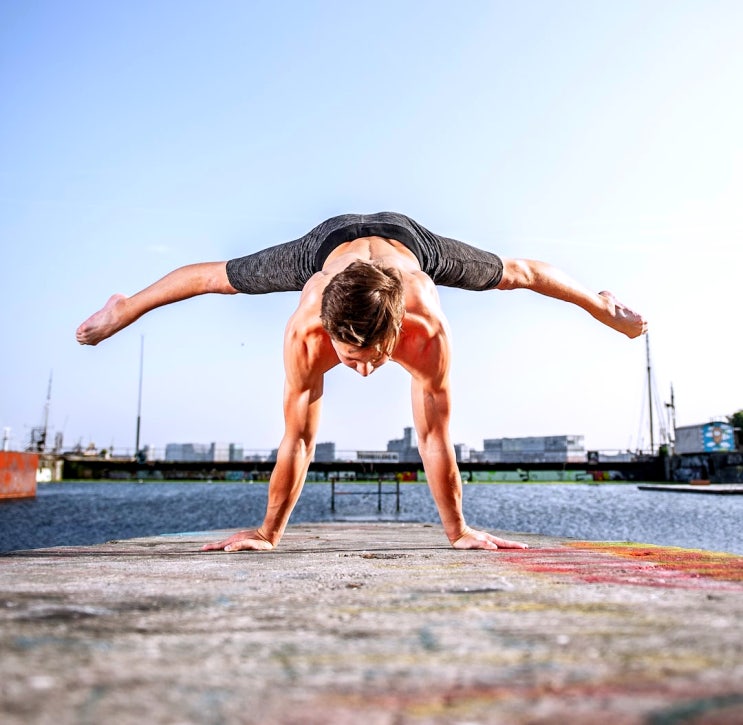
136, 137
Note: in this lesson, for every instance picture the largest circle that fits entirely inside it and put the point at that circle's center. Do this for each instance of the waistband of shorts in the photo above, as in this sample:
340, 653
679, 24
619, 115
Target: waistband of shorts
366, 227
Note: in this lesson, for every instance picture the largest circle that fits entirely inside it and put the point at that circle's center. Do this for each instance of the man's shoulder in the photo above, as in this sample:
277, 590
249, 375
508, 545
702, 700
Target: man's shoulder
420, 289
424, 347
304, 327
308, 353
307, 315
422, 302
313, 287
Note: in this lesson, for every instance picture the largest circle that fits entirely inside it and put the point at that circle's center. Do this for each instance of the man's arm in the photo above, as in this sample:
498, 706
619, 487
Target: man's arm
306, 361
302, 417
431, 413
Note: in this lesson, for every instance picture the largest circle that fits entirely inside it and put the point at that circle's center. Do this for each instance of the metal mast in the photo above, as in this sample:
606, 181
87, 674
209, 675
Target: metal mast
139, 399
41, 445
650, 393
672, 407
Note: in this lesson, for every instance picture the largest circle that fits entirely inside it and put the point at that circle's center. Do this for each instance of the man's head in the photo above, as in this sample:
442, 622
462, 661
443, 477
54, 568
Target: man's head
363, 305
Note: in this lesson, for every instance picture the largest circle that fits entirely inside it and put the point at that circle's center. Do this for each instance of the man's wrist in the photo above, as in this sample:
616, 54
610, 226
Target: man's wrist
269, 534
455, 528
460, 533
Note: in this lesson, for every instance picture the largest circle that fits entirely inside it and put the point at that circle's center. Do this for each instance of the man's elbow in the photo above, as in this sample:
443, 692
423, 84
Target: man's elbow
433, 446
299, 446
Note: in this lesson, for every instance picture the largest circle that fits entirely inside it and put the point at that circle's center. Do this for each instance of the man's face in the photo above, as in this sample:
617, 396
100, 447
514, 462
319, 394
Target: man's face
364, 360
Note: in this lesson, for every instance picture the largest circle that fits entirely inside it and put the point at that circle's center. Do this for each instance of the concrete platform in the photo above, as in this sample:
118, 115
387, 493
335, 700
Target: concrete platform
370, 623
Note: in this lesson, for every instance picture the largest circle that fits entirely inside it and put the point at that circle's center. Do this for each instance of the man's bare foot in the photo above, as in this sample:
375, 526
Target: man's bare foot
103, 323
622, 318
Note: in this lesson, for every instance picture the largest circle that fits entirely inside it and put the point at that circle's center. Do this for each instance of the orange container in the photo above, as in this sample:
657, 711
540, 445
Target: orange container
18, 474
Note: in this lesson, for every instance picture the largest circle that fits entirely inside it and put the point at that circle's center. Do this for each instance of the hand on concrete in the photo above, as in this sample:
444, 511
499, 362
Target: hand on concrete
474, 539
251, 540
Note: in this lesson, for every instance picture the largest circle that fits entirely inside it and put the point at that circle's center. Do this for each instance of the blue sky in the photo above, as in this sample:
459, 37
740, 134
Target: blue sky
141, 136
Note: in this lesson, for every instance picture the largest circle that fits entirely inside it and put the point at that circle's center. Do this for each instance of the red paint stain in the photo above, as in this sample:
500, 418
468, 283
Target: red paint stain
635, 564
711, 564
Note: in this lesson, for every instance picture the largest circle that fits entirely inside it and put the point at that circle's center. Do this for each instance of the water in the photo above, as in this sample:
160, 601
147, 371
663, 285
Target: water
89, 513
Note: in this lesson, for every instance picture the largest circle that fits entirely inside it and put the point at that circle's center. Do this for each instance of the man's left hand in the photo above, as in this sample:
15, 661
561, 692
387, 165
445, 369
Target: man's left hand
474, 539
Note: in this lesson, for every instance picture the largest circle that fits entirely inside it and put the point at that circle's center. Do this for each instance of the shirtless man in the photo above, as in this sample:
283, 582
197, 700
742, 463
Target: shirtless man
368, 296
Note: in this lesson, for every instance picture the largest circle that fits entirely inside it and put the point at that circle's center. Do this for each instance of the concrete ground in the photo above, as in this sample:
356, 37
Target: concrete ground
370, 623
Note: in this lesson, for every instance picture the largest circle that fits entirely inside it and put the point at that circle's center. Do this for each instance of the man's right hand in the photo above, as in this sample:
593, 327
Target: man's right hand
249, 540
474, 539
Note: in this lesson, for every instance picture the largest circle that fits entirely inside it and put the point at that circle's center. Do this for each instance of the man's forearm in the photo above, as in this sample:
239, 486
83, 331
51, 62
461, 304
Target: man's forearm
440, 465
286, 483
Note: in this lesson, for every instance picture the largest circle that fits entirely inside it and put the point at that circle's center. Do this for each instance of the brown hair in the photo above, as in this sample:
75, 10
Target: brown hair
363, 305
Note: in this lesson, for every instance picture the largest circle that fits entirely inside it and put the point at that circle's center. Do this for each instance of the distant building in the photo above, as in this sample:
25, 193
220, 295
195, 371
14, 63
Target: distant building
188, 452
220, 452
377, 456
533, 449
324, 452
203, 452
462, 452
405, 447
259, 457
235, 453
713, 437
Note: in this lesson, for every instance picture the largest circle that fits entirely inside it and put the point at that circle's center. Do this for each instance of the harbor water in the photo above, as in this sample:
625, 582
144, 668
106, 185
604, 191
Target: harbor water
79, 513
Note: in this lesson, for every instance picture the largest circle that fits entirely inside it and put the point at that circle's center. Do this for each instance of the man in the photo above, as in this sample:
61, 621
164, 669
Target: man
368, 285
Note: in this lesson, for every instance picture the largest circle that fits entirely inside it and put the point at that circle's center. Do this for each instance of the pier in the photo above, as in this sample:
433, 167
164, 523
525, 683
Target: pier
371, 622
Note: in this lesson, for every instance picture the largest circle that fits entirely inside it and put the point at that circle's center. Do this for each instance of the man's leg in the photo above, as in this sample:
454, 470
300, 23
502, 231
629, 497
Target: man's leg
182, 283
548, 280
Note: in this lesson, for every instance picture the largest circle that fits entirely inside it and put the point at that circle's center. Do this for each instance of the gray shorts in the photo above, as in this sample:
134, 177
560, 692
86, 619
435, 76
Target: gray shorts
287, 267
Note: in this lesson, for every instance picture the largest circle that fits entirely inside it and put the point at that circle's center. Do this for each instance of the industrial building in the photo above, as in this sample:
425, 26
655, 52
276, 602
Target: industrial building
532, 449
324, 452
203, 452
713, 437
405, 447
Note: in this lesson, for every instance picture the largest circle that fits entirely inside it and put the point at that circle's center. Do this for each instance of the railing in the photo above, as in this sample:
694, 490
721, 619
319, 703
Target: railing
366, 492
